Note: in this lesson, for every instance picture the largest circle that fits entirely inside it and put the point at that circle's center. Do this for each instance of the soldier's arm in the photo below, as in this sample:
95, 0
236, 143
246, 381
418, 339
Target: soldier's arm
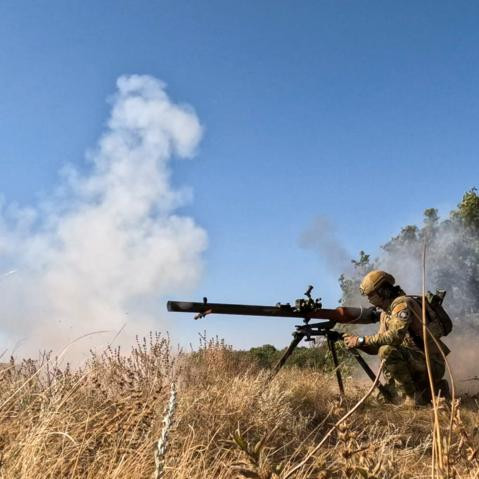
398, 326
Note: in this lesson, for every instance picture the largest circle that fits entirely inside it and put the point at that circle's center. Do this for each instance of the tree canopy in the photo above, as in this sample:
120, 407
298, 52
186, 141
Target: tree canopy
452, 253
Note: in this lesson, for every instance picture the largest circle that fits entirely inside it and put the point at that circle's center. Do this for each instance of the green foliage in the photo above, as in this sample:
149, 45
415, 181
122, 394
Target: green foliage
267, 356
408, 239
314, 357
431, 217
350, 284
264, 356
362, 262
468, 210
452, 252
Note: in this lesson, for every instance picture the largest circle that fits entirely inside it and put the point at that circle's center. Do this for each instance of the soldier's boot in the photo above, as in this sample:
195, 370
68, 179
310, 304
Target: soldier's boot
410, 402
441, 388
391, 394
419, 398
414, 400
412, 397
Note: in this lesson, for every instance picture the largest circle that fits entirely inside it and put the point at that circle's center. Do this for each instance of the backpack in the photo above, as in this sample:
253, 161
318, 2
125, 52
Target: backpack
438, 320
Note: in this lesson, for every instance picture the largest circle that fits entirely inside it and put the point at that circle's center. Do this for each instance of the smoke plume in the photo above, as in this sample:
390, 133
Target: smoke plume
321, 237
452, 264
103, 248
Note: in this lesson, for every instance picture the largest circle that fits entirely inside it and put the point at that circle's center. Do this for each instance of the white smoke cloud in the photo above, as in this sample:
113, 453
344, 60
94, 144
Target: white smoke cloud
102, 247
445, 269
449, 266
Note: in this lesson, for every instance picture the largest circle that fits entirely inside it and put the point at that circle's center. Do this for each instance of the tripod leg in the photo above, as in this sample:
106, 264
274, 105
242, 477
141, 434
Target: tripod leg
370, 373
297, 337
332, 348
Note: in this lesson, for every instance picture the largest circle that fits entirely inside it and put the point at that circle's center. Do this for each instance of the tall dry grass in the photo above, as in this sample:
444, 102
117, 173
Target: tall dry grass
105, 419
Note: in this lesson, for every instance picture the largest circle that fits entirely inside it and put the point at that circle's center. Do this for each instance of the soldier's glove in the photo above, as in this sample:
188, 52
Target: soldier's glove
352, 342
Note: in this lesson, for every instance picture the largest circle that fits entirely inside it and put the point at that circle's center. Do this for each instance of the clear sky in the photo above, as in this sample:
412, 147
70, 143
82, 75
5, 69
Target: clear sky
360, 113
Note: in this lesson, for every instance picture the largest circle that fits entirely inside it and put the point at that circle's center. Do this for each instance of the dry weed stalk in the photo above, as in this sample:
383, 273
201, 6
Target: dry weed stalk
257, 465
336, 425
162, 443
101, 421
437, 466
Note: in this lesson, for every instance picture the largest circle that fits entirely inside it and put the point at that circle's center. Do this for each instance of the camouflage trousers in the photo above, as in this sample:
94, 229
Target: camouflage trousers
406, 369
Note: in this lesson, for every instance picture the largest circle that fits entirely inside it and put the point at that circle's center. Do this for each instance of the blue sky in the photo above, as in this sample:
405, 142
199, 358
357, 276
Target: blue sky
364, 113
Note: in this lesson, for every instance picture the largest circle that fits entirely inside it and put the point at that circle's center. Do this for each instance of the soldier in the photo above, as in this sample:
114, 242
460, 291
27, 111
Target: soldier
399, 340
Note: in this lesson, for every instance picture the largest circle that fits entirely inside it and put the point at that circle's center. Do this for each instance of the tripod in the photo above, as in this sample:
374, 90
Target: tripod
308, 331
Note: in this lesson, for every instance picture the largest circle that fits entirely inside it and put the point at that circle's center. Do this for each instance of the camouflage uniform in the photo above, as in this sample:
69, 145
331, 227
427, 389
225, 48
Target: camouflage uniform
396, 343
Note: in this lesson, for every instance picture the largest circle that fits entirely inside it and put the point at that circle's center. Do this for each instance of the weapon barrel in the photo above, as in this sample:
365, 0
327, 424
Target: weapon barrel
340, 315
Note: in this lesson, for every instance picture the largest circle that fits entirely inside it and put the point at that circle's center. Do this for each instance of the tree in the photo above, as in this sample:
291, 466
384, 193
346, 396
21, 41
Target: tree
452, 247
350, 284
468, 211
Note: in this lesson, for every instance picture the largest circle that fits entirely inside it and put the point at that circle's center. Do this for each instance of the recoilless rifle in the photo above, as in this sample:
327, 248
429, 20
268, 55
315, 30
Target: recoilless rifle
306, 308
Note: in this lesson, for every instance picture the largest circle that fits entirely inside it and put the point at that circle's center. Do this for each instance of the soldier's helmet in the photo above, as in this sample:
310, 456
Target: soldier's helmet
374, 280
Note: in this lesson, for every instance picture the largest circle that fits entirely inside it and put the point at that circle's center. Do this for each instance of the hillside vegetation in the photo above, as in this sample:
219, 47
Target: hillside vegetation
104, 420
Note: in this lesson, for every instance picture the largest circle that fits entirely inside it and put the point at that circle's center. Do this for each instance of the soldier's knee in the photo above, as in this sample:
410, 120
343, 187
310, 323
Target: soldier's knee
388, 352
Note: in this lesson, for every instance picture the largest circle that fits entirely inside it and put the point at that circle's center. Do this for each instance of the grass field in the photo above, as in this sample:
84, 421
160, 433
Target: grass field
104, 420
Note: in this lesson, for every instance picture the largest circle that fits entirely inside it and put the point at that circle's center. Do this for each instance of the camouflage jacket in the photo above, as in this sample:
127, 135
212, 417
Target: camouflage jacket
401, 325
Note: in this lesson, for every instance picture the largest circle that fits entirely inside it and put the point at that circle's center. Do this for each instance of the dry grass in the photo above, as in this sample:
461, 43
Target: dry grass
230, 421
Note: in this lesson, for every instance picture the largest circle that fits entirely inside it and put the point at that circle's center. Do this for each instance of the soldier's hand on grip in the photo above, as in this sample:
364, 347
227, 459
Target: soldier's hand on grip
350, 341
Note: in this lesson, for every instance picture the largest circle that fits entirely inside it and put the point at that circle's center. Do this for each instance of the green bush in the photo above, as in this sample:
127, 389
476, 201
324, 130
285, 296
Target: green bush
319, 357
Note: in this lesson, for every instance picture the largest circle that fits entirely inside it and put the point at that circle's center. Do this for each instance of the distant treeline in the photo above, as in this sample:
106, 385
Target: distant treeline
266, 356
